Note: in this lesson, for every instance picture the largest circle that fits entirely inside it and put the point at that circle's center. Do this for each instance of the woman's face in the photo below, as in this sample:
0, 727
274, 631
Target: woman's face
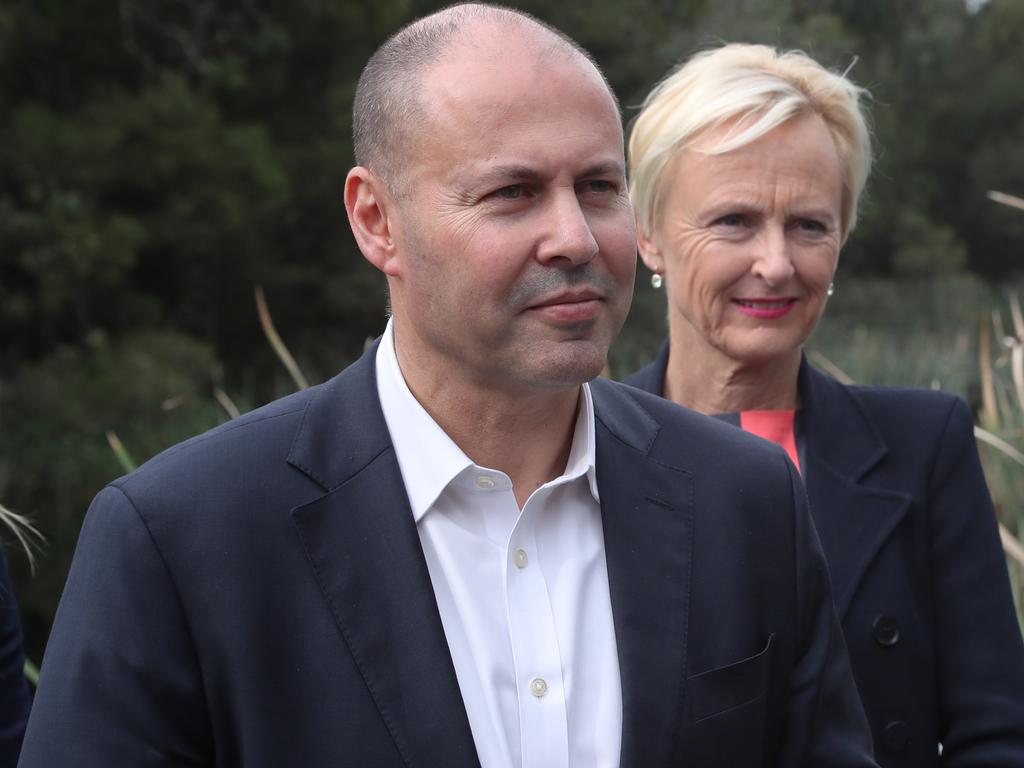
748, 242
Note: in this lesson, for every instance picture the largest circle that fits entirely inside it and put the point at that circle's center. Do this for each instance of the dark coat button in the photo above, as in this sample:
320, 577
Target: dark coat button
896, 736
886, 630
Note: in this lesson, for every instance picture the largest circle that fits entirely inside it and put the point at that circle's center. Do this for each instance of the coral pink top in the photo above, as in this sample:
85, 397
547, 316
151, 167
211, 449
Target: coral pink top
777, 426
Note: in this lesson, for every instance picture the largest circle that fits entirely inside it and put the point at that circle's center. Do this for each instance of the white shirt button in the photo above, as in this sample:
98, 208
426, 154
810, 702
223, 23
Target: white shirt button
520, 558
538, 686
484, 483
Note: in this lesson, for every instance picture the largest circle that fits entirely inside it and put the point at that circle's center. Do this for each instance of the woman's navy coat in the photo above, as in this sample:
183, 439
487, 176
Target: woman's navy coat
919, 577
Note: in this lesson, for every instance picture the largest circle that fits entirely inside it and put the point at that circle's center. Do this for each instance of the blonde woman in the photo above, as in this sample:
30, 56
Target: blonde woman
746, 165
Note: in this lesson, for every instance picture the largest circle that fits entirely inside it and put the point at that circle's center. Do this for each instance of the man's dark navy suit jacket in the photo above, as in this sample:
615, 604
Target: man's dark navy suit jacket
257, 597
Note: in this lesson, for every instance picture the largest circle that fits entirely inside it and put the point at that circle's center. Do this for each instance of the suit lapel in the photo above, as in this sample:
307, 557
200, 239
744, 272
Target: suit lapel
853, 520
363, 546
648, 537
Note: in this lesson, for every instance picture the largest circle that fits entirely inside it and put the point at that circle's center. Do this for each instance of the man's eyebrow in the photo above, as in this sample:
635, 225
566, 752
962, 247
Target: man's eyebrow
501, 173
606, 168
518, 172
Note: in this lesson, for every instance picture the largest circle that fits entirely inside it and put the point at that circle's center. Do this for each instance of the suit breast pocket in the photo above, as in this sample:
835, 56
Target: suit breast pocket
727, 712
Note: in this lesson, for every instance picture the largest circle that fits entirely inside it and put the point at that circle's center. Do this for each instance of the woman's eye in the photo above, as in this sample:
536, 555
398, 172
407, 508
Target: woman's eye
812, 225
729, 220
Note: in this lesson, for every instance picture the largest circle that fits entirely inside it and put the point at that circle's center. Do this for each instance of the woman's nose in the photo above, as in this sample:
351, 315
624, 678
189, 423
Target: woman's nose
773, 262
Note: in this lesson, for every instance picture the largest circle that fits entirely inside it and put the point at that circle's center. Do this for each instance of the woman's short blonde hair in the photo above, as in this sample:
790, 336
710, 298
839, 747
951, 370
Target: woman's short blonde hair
756, 88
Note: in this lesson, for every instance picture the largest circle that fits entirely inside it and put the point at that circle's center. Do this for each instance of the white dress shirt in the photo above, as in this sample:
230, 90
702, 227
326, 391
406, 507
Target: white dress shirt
523, 594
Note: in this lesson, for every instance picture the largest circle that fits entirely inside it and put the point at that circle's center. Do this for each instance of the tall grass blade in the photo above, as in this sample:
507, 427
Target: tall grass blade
1017, 371
28, 536
275, 341
1001, 197
829, 367
1018, 318
1011, 546
997, 323
31, 672
989, 407
1008, 414
123, 457
984, 436
226, 403
1016, 345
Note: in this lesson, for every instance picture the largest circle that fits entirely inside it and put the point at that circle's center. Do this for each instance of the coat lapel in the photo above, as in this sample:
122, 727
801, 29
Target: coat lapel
853, 519
648, 537
363, 546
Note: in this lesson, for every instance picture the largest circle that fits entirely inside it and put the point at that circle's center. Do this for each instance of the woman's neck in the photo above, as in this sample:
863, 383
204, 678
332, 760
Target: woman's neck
706, 380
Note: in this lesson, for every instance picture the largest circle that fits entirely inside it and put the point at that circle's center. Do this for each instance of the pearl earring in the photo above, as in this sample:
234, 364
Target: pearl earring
831, 288
656, 280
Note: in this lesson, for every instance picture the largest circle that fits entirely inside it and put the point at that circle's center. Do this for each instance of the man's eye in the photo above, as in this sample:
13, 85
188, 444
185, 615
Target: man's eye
511, 192
599, 186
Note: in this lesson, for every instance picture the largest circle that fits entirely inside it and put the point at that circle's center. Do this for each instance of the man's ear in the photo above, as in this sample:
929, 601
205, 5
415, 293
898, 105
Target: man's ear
371, 213
649, 251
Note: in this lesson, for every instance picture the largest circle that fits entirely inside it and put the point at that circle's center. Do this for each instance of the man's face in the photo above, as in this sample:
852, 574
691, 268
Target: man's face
515, 236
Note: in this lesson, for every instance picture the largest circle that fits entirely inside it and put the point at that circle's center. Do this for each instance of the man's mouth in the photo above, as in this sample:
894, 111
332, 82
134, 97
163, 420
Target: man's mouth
569, 307
567, 297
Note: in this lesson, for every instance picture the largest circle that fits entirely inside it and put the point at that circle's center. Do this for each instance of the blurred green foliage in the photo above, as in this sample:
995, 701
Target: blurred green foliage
152, 386
159, 159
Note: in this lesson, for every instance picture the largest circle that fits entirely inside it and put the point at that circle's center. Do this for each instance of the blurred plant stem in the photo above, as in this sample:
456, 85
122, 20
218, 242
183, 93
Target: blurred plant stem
123, 457
267, 323
31, 673
1011, 200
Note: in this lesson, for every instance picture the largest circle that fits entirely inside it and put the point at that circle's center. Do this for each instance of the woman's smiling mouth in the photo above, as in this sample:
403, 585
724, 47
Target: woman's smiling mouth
765, 309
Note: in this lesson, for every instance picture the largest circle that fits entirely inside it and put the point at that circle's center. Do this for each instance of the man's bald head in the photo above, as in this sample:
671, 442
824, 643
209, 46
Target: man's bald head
387, 106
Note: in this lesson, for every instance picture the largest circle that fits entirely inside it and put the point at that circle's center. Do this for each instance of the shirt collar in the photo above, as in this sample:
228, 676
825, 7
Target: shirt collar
583, 454
429, 459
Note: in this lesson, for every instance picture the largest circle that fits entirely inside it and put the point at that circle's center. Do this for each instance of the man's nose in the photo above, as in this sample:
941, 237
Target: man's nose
773, 262
569, 239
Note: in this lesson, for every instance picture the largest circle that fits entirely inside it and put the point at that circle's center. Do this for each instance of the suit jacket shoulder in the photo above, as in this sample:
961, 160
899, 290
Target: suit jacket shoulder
255, 596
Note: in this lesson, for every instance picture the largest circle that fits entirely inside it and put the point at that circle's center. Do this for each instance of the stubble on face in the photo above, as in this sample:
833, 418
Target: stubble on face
473, 273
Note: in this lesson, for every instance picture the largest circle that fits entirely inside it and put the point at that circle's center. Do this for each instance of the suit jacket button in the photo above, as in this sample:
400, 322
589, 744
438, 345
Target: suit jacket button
896, 736
886, 630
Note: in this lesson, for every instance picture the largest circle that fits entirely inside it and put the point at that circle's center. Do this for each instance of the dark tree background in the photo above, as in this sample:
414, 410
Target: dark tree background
161, 158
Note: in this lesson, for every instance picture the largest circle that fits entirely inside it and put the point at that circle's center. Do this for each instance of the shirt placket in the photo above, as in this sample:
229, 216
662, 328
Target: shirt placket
543, 718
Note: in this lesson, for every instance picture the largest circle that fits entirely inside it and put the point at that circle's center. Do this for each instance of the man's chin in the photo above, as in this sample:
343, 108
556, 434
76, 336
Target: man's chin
568, 365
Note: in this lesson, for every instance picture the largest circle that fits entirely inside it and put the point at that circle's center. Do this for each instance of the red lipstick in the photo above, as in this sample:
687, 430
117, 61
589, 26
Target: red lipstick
765, 309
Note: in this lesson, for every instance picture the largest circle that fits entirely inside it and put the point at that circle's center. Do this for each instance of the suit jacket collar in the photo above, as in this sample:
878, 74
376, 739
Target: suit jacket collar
365, 552
339, 409
647, 513
364, 549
